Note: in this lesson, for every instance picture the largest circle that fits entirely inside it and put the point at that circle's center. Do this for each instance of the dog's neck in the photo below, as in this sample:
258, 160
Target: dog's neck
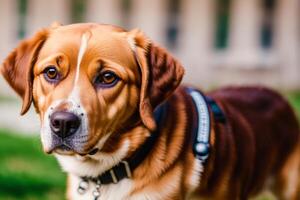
158, 160
125, 168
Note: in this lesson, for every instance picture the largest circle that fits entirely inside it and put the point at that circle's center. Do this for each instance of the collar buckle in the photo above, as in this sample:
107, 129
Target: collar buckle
113, 175
127, 168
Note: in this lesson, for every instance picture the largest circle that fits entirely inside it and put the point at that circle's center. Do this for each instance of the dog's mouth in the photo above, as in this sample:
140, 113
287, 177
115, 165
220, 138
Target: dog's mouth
66, 150
62, 150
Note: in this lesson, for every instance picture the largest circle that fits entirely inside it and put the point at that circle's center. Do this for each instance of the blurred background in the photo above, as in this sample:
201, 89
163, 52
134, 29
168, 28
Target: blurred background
219, 42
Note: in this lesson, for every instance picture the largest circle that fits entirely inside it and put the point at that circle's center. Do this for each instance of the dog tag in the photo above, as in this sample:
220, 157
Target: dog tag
96, 192
82, 187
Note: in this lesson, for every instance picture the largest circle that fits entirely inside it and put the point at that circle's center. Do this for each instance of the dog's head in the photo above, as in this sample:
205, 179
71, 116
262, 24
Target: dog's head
90, 81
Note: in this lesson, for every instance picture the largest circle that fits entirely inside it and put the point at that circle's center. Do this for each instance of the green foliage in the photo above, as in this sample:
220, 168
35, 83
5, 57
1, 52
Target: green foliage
7, 99
222, 24
26, 172
78, 8
294, 98
22, 8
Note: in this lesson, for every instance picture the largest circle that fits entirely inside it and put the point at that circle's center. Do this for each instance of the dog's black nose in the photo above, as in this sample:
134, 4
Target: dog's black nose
64, 124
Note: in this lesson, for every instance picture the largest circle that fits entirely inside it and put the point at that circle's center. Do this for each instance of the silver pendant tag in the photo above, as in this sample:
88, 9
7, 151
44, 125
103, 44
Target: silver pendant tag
96, 192
83, 187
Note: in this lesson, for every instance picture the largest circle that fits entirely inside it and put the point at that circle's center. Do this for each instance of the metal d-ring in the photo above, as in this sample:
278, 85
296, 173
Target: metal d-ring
96, 192
83, 186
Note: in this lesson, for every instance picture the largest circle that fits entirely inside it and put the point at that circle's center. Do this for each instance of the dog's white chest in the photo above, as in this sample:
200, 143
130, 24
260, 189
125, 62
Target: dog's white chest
119, 191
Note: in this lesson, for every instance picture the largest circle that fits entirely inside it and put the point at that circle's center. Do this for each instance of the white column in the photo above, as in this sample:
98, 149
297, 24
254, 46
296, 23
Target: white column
244, 33
287, 41
9, 26
196, 41
41, 13
8, 36
104, 11
150, 16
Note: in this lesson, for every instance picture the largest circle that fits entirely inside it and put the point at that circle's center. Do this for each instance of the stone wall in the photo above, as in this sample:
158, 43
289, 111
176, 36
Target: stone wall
243, 61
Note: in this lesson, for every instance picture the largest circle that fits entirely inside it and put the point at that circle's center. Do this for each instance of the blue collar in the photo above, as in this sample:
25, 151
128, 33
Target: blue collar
201, 132
125, 168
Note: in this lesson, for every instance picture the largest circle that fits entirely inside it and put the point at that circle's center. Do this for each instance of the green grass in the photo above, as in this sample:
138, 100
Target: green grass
27, 173
6, 99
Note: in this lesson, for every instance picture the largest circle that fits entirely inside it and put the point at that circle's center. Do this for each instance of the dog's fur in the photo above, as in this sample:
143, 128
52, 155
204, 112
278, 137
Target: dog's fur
257, 147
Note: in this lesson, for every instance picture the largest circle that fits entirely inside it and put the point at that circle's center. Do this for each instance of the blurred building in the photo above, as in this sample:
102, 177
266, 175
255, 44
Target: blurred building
219, 42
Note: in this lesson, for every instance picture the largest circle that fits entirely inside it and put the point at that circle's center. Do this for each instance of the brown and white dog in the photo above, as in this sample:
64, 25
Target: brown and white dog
95, 88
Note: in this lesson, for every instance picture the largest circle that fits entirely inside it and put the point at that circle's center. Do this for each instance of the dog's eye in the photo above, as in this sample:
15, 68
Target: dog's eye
51, 74
106, 79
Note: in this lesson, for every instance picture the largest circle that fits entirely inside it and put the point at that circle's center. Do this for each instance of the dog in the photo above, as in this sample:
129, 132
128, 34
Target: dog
115, 116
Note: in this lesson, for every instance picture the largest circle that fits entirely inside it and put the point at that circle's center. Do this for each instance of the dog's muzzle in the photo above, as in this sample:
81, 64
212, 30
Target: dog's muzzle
67, 132
64, 124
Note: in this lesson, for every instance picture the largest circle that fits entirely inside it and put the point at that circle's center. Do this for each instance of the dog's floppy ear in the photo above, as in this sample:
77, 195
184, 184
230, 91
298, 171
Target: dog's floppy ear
17, 67
161, 74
